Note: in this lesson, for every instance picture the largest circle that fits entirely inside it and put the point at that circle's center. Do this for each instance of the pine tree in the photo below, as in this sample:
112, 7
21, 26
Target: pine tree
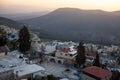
97, 61
24, 39
80, 58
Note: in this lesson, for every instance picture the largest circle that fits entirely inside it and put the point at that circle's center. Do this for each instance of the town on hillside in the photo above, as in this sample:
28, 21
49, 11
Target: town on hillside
25, 56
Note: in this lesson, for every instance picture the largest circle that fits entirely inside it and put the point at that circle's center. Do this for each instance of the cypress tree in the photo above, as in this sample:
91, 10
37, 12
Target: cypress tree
80, 58
97, 61
24, 39
3, 38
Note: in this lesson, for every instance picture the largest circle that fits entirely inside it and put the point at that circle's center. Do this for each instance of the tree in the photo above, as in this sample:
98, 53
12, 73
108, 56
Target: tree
80, 58
51, 77
3, 40
48, 77
14, 44
24, 39
115, 75
2, 31
97, 61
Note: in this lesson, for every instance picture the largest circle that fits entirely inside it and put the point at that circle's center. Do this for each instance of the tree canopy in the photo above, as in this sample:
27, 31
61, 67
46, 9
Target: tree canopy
3, 40
24, 39
80, 58
97, 61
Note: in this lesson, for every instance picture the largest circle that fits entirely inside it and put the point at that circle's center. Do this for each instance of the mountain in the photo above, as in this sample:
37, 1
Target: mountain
10, 23
22, 16
77, 24
14, 24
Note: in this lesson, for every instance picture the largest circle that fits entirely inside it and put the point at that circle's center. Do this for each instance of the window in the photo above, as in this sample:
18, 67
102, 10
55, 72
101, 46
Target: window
71, 55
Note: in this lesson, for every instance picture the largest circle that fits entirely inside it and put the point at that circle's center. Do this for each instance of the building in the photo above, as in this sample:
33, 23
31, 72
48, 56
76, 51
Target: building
6, 74
34, 59
107, 59
8, 30
96, 73
65, 53
27, 71
10, 61
12, 36
50, 47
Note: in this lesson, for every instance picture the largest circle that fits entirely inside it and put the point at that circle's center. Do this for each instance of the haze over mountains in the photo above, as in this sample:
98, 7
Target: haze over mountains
10, 23
17, 25
22, 16
77, 24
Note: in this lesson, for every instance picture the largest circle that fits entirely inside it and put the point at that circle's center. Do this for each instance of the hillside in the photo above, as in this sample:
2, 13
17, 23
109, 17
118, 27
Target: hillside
77, 24
10, 23
16, 25
22, 16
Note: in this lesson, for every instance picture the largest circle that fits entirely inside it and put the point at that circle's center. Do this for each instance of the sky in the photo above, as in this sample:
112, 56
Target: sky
26, 6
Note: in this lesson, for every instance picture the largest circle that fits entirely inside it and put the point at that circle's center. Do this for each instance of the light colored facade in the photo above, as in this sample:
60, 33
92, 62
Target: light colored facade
50, 48
8, 29
55, 59
2, 54
64, 54
27, 71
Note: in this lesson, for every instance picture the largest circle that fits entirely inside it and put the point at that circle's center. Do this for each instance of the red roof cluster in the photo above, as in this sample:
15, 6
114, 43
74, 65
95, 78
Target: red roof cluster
97, 72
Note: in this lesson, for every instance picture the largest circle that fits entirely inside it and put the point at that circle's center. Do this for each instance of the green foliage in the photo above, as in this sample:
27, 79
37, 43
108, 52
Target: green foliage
3, 40
80, 58
13, 44
51, 77
24, 39
2, 32
37, 77
97, 61
48, 77
115, 75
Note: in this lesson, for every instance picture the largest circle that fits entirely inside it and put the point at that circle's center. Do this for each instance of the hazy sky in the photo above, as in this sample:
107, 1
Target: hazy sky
20, 6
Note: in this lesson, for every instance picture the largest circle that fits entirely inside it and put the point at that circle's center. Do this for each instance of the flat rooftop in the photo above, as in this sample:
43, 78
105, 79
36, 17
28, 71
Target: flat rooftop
28, 69
9, 61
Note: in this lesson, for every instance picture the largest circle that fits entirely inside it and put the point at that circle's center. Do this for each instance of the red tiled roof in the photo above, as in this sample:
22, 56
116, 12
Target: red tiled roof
97, 72
65, 49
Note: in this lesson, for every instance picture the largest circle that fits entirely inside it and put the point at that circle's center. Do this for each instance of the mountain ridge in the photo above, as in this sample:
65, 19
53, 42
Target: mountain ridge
17, 25
77, 24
